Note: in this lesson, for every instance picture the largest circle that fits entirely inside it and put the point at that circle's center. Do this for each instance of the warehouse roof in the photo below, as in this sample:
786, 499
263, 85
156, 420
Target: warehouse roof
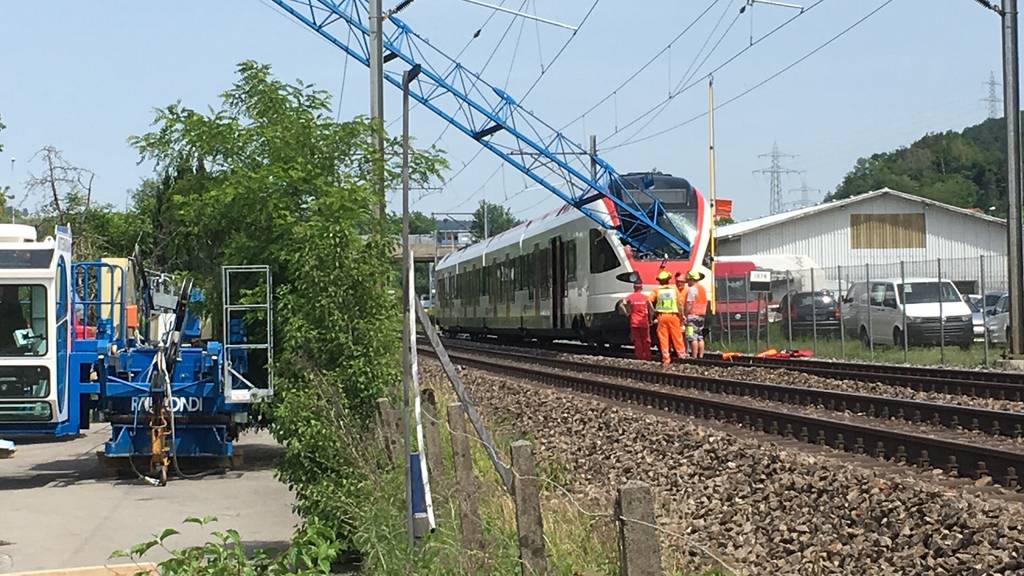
741, 228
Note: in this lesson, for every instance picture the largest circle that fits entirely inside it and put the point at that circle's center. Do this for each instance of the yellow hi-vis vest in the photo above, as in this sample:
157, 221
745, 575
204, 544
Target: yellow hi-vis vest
666, 301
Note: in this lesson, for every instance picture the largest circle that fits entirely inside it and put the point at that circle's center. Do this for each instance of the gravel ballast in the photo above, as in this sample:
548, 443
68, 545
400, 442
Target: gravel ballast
765, 507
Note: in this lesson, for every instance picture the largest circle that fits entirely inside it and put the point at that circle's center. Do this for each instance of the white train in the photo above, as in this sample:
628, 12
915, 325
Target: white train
559, 276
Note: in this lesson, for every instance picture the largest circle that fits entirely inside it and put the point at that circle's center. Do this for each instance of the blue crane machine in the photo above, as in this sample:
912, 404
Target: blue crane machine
107, 339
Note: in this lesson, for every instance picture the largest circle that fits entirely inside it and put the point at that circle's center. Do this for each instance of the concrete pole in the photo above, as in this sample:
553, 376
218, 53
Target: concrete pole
1011, 108
376, 49
593, 154
408, 294
486, 207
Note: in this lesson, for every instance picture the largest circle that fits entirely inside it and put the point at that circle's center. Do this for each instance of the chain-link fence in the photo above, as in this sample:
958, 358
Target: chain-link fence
943, 311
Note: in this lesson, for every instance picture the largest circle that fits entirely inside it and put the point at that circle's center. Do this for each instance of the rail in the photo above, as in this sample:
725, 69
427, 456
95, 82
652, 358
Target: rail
962, 458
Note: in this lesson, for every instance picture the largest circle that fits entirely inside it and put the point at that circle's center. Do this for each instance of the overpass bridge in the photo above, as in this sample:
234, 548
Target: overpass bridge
425, 249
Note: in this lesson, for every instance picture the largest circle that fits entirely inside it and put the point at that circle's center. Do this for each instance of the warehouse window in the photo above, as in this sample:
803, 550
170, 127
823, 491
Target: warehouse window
869, 231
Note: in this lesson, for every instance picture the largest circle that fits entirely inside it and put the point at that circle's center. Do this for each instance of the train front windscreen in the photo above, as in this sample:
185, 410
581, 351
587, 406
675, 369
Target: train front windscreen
680, 204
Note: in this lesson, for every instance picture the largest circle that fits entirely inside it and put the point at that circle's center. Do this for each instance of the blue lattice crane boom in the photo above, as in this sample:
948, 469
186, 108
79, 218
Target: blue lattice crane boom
493, 118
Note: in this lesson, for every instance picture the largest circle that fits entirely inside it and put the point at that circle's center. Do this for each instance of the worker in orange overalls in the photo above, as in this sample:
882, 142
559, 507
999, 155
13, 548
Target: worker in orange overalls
695, 308
639, 310
666, 306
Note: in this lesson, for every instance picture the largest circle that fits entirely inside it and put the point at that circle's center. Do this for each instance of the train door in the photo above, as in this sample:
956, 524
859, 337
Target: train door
558, 286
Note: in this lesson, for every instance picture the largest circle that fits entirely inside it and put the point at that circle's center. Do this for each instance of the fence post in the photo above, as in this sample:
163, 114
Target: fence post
746, 295
469, 514
942, 317
529, 523
814, 315
871, 303
728, 315
842, 311
790, 309
903, 313
432, 437
984, 312
639, 550
387, 424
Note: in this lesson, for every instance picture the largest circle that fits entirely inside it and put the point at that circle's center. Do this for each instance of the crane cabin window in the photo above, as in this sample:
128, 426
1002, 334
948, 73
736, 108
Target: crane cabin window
23, 320
602, 255
881, 231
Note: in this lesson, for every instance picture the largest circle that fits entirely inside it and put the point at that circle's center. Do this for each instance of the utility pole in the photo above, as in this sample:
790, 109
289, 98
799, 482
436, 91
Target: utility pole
776, 171
593, 154
486, 207
376, 49
993, 100
1011, 110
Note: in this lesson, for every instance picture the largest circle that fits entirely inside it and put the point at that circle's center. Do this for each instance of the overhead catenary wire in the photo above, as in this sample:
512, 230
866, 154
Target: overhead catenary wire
712, 72
486, 63
458, 55
694, 66
643, 67
532, 86
778, 73
565, 45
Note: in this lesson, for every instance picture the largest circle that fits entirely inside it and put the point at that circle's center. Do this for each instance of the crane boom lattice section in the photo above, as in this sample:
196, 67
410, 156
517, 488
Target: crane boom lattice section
493, 118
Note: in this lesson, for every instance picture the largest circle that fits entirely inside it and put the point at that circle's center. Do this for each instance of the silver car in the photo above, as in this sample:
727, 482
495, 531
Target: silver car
997, 320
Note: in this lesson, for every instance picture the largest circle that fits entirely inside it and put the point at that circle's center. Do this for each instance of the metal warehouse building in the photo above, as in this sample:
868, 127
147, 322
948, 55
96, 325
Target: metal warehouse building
881, 229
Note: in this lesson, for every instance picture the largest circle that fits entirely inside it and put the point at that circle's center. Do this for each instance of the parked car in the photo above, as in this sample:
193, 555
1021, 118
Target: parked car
806, 312
991, 299
934, 311
997, 320
977, 316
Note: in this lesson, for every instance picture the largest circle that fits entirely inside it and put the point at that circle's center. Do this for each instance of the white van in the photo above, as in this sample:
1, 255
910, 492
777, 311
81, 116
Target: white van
875, 311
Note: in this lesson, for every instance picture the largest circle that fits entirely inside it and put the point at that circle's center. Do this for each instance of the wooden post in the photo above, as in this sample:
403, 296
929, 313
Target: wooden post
432, 438
387, 423
529, 524
639, 551
469, 513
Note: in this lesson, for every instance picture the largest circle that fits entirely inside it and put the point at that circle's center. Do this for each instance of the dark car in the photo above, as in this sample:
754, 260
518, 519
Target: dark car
806, 312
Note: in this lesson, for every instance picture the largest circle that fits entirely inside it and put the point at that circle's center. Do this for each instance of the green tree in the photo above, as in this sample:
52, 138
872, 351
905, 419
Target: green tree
499, 219
271, 178
420, 223
966, 169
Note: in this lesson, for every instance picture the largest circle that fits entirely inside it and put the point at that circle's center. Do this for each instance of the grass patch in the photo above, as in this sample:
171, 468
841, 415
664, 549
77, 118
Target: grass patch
832, 346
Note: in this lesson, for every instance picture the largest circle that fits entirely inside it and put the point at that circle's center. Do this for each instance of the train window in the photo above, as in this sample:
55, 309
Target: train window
602, 255
570, 261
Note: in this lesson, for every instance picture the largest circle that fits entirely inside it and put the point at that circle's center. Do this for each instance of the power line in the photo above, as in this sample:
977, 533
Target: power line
692, 69
700, 81
559, 53
642, 68
543, 70
465, 46
759, 84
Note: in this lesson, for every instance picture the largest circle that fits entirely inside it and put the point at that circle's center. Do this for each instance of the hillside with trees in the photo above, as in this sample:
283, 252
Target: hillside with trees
965, 169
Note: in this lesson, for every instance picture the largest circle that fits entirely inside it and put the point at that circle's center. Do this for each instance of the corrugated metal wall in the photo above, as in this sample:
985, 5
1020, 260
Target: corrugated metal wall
825, 236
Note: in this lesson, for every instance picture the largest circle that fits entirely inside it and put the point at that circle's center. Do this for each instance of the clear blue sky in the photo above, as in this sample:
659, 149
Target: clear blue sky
83, 76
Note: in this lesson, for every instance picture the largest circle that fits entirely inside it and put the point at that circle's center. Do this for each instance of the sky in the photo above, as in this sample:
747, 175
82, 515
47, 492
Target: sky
84, 76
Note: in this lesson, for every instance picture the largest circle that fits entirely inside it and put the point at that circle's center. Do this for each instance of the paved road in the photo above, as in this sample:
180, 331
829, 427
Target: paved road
59, 510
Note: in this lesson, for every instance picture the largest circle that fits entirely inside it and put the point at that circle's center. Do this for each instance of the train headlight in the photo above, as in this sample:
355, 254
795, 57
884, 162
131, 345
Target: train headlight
738, 316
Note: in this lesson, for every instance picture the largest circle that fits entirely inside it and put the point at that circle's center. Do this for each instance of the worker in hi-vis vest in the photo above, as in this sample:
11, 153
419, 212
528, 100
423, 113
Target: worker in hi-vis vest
639, 310
695, 307
666, 306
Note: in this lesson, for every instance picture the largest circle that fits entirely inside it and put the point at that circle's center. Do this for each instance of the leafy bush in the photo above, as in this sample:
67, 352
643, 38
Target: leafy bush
312, 550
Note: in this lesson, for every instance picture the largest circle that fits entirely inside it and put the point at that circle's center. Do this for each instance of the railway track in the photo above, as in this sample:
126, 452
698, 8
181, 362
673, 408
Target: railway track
736, 401
977, 383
